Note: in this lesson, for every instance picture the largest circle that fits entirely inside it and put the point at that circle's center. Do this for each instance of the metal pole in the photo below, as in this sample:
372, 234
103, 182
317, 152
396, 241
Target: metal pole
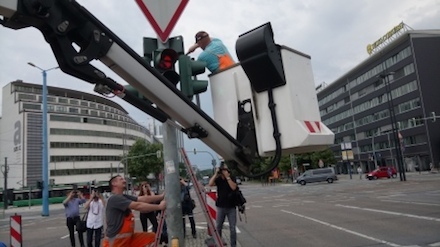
45, 181
30, 195
5, 191
394, 128
374, 152
172, 184
45, 161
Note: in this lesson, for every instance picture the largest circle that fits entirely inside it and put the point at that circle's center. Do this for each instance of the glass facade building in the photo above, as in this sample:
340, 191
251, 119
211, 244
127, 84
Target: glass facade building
356, 107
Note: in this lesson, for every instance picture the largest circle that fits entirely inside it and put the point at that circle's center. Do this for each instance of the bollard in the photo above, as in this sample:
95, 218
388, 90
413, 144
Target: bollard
15, 224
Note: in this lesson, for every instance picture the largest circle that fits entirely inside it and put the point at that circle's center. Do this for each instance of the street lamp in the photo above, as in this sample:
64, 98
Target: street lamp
45, 196
213, 162
385, 78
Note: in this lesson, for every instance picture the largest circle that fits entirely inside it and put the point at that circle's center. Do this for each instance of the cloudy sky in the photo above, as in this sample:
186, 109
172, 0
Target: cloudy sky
334, 33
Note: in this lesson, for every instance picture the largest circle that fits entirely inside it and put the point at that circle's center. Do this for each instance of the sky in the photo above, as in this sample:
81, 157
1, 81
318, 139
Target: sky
334, 33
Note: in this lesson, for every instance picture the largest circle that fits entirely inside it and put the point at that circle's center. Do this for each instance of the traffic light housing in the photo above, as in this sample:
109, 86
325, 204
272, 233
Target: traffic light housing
164, 61
188, 68
40, 185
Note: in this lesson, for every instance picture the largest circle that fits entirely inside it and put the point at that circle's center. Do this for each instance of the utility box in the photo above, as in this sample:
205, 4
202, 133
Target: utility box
297, 110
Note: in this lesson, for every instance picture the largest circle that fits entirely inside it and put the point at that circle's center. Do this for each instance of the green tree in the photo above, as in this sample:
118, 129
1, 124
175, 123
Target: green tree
142, 159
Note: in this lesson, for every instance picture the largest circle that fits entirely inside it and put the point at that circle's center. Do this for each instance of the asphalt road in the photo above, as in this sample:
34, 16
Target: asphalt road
353, 212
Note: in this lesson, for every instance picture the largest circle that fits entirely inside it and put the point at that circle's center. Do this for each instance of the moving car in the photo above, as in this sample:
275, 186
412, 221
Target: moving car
382, 172
317, 175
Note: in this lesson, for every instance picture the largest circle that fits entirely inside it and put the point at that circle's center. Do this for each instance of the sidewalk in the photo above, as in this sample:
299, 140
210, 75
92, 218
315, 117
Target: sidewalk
200, 241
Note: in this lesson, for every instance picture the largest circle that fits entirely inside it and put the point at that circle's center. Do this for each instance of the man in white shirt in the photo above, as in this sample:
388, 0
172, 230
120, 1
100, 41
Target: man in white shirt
95, 218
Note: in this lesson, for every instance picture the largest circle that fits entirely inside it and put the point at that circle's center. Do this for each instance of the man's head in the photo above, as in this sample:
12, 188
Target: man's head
117, 183
202, 39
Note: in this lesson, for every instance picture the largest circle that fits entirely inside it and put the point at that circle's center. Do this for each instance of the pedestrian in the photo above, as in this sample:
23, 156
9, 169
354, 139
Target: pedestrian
187, 207
144, 217
390, 173
95, 218
120, 219
359, 170
225, 204
71, 209
215, 53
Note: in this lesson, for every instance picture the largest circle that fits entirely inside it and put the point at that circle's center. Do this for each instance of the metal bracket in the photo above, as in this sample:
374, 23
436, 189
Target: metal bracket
196, 131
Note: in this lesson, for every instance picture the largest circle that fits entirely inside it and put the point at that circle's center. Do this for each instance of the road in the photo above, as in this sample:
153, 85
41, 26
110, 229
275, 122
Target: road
355, 212
349, 213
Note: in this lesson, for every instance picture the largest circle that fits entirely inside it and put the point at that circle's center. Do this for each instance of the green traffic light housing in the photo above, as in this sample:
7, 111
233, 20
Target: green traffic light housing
189, 68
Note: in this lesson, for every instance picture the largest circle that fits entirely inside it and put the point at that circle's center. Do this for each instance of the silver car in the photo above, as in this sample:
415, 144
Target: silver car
317, 175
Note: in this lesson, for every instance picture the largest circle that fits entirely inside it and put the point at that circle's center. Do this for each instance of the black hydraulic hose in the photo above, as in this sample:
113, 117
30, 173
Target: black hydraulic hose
276, 135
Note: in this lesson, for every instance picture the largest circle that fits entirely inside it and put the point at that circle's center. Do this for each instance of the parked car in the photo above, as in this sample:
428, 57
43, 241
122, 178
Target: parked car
317, 175
382, 172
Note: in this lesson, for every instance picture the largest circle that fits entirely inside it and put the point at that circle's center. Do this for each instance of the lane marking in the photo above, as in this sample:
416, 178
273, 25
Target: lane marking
343, 229
390, 212
416, 203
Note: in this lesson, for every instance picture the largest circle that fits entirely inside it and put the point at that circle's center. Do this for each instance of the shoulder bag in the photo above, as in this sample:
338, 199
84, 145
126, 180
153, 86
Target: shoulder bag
81, 224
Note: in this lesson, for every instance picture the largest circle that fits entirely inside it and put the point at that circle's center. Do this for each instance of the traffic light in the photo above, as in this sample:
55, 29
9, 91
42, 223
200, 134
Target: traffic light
40, 185
164, 61
260, 58
187, 69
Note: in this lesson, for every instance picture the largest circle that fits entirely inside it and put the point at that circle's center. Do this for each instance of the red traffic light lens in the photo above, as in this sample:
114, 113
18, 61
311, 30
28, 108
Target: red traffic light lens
168, 58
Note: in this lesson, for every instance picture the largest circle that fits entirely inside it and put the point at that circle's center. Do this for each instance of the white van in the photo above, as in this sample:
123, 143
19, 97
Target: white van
317, 175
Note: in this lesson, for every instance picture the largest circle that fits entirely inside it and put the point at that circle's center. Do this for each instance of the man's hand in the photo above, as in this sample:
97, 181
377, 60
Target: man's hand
162, 205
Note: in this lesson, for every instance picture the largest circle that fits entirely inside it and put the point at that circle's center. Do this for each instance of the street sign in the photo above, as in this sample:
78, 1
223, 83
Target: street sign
162, 15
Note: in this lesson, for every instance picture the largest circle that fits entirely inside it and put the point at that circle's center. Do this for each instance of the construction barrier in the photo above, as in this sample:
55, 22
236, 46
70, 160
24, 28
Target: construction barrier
211, 198
15, 238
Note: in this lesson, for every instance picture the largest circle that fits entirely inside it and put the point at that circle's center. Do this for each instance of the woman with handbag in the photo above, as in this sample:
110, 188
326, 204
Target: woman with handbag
95, 218
71, 209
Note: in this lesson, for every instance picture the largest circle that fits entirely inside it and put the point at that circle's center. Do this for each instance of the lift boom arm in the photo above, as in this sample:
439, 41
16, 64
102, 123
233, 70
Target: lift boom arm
65, 22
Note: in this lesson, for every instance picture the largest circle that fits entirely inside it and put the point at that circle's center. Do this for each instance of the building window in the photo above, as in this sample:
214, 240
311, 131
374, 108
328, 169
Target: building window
74, 102
62, 100
31, 106
22, 96
73, 110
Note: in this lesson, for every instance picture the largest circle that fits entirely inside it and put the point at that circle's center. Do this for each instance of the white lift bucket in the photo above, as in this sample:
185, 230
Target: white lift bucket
296, 102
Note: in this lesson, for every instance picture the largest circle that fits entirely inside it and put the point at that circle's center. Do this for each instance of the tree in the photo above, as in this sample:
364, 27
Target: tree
142, 159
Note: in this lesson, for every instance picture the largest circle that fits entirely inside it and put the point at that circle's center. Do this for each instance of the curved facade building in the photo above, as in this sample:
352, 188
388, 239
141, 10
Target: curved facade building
87, 135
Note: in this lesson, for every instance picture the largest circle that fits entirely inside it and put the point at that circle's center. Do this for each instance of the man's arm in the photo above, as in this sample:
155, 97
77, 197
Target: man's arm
192, 48
214, 177
147, 207
231, 182
68, 198
151, 199
86, 206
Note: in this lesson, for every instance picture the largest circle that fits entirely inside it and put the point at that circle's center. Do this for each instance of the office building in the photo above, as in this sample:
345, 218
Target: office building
356, 106
87, 135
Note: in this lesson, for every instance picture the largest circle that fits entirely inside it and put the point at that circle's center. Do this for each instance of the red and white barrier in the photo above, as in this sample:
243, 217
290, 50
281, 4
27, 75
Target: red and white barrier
15, 238
211, 198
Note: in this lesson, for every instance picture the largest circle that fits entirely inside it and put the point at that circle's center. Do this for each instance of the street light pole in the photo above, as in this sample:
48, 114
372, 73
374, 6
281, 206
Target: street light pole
213, 162
45, 169
385, 78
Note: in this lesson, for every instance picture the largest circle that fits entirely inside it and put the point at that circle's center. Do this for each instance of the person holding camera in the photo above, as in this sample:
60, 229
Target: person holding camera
95, 218
225, 205
187, 207
71, 209
147, 191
